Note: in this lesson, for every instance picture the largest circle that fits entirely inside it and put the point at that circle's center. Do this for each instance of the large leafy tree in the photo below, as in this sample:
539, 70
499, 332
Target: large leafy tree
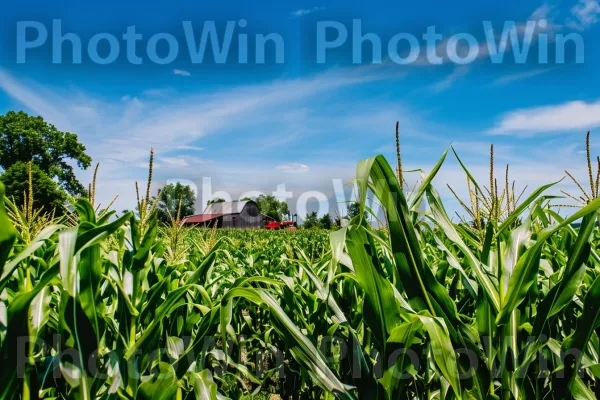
273, 208
24, 138
46, 193
170, 196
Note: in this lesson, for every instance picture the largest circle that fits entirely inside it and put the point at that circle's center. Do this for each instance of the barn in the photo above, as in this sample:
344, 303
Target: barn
232, 214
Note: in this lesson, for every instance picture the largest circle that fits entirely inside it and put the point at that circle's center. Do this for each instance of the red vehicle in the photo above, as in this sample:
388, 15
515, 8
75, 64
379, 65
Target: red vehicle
287, 225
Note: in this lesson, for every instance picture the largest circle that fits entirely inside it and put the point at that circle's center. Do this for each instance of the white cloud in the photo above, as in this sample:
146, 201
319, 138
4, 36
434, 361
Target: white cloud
32, 99
571, 116
157, 92
584, 14
554, 21
145, 165
507, 79
445, 84
542, 12
173, 162
293, 168
181, 72
547, 13
305, 11
482, 148
188, 147
86, 112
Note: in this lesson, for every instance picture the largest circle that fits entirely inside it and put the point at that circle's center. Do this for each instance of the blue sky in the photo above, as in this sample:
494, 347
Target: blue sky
301, 123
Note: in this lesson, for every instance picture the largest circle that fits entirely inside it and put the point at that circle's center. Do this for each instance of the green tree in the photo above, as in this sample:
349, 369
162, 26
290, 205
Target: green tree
46, 193
273, 208
354, 210
168, 203
325, 222
311, 221
219, 200
24, 138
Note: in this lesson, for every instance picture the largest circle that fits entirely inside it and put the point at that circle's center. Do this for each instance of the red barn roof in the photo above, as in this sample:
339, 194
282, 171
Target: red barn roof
198, 219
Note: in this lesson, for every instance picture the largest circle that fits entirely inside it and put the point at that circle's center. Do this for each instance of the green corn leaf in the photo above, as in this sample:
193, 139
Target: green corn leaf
471, 177
18, 328
37, 243
522, 207
417, 197
440, 217
39, 311
562, 293
381, 310
526, 270
85, 211
161, 386
586, 323
205, 387
516, 244
302, 348
8, 232
442, 349
426, 292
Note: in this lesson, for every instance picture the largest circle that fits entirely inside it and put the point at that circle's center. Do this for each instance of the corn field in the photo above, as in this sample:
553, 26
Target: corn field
500, 305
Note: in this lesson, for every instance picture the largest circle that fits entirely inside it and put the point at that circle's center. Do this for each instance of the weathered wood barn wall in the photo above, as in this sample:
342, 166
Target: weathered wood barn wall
248, 218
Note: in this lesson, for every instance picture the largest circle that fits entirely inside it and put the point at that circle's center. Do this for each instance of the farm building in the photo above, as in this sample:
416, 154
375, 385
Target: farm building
234, 214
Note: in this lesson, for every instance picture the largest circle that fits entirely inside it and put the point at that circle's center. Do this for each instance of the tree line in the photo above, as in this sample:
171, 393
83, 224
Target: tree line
54, 155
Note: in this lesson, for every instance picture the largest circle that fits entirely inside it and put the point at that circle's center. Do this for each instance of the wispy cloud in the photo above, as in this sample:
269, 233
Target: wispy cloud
445, 84
187, 147
584, 15
33, 99
571, 116
293, 168
544, 12
181, 72
507, 79
305, 11
482, 148
158, 92
173, 161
